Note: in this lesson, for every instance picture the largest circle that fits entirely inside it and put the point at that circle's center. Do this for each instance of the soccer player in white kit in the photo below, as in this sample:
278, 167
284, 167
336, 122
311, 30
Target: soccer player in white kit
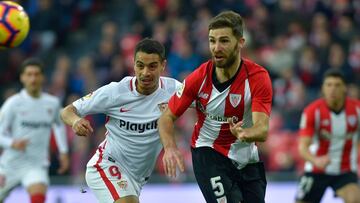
125, 159
26, 121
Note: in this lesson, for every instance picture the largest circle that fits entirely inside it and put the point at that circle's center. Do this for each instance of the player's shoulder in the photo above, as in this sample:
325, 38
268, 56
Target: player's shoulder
353, 102
169, 84
50, 98
13, 99
119, 86
316, 104
253, 68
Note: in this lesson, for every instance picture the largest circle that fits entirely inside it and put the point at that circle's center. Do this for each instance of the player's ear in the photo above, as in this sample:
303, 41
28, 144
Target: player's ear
241, 42
163, 65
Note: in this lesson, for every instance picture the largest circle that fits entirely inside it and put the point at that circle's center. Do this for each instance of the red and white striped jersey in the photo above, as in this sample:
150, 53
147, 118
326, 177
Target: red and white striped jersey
332, 134
250, 92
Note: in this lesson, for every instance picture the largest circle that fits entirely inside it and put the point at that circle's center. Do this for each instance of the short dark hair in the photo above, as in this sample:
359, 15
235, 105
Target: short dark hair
32, 62
334, 73
228, 19
150, 46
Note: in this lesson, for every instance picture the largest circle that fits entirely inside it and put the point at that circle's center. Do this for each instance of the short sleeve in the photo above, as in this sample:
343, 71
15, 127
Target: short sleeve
95, 102
307, 123
185, 94
261, 92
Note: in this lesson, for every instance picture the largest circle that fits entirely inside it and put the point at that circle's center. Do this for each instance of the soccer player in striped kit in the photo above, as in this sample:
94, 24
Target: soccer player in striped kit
329, 133
127, 156
233, 97
26, 121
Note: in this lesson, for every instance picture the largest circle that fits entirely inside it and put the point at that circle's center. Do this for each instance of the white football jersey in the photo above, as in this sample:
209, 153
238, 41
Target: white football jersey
132, 137
23, 116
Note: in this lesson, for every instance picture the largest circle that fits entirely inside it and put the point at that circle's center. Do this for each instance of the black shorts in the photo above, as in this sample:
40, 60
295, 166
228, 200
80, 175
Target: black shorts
220, 181
312, 186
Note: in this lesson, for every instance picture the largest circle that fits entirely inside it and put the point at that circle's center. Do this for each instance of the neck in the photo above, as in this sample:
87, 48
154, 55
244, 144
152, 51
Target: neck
34, 93
225, 74
337, 105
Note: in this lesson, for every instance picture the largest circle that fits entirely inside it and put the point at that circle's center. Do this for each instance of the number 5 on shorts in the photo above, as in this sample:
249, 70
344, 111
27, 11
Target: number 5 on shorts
217, 186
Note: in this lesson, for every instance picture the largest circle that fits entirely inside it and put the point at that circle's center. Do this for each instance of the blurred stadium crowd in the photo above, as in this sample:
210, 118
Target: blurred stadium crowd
88, 43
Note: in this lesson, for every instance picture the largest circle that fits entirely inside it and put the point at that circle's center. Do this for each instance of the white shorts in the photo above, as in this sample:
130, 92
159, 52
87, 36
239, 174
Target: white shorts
23, 176
108, 181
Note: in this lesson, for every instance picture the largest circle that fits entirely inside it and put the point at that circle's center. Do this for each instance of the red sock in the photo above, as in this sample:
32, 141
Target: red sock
38, 198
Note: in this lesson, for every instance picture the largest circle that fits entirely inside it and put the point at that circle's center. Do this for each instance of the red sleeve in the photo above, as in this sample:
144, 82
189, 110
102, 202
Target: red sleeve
261, 92
307, 123
187, 92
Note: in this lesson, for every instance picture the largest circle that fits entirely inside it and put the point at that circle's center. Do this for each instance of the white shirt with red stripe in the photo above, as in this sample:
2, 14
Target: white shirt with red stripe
251, 91
26, 117
335, 134
132, 137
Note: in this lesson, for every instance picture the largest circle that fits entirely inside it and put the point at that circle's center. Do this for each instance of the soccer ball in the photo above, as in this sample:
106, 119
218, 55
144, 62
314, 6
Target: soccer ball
14, 24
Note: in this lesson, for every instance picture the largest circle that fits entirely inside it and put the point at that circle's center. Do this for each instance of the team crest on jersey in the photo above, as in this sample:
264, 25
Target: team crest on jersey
352, 120
123, 184
180, 89
162, 106
88, 96
235, 99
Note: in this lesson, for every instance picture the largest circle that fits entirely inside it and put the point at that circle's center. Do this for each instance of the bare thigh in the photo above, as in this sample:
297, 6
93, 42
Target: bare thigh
350, 193
128, 199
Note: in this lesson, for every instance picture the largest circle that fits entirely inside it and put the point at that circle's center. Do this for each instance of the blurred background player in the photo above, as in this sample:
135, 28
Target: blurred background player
125, 159
329, 133
233, 98
26, 121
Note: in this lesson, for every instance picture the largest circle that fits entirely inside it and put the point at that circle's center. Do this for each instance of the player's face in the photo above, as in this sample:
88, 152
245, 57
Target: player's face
32, 79
148, 68
224, 47
334, 90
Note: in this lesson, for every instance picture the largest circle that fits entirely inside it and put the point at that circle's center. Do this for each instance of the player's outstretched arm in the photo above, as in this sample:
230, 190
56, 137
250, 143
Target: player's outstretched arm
80, 126
172, 156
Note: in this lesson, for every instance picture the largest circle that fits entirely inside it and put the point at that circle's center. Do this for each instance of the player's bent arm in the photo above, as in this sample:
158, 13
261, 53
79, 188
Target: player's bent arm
69, 115
303, 148
166, 129
260, 129
80, 125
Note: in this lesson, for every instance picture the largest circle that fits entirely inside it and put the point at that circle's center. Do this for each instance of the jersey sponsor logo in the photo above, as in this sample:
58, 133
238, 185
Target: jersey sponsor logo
30, 124
138, 127
213, 117
180, 89
235, 99
352, 120
122, 110
162, 106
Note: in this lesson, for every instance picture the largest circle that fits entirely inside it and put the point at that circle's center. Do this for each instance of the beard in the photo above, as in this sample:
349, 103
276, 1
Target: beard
229, 61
